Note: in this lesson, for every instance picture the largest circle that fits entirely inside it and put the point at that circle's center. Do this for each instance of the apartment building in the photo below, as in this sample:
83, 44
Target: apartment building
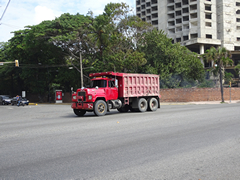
196, 24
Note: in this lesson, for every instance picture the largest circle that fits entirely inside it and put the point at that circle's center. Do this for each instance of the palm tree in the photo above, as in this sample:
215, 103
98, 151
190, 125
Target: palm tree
221, 57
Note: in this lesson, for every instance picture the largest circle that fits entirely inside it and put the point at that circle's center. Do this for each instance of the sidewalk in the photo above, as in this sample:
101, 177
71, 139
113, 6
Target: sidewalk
199, 102
161, 103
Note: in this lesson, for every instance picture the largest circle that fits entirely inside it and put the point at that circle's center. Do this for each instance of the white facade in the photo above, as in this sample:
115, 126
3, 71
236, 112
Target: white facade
196, 24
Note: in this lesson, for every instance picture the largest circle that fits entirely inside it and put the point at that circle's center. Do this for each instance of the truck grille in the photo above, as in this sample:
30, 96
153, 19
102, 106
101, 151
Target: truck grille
82, 93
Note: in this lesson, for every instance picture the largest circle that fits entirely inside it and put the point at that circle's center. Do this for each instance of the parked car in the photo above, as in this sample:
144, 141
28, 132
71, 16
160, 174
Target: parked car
5, 99
23, 101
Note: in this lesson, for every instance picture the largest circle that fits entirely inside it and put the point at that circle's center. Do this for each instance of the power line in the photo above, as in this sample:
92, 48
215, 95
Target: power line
5, 10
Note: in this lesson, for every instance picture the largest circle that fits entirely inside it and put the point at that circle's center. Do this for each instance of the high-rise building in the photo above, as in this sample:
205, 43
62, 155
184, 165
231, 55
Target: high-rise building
196, 24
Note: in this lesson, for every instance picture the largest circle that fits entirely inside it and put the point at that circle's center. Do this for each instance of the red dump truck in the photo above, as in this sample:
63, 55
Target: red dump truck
121, 91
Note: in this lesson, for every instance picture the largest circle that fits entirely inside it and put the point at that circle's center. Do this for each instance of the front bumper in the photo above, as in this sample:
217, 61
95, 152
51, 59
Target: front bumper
82, 105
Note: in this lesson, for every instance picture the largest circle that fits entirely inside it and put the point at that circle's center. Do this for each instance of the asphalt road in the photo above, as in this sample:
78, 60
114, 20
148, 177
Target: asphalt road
176, 142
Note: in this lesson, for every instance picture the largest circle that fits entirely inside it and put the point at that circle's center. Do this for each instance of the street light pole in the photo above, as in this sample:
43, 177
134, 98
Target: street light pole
81, 69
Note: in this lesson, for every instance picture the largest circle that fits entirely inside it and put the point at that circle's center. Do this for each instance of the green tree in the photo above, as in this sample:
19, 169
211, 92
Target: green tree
176, 65
221, 57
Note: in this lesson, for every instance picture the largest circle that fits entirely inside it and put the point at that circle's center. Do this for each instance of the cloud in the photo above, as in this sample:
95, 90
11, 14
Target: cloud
22, 13
43, 13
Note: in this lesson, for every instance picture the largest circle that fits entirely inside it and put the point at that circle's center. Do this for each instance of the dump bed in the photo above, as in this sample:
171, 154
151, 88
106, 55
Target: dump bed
135, 85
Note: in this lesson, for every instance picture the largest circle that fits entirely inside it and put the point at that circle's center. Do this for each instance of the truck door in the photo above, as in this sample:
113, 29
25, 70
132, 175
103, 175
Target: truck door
112, 92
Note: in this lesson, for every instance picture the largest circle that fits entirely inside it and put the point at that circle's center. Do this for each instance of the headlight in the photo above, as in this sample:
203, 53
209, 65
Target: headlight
90, 97
74, 97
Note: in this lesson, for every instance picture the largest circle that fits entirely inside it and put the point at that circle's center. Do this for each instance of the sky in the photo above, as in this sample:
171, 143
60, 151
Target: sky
21, 13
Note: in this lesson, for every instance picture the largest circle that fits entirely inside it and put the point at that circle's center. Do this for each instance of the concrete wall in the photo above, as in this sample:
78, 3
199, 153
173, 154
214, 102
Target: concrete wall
198, 94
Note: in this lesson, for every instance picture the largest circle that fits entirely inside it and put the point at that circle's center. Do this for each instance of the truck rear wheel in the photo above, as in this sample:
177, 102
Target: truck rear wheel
100, 108
152, 104
79, 112
142, 105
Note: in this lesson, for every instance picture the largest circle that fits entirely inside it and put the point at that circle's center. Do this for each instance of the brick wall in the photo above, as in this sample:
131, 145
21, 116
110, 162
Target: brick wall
198, 94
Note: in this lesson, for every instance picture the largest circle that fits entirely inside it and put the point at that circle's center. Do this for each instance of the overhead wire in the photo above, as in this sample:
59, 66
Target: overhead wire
5, 10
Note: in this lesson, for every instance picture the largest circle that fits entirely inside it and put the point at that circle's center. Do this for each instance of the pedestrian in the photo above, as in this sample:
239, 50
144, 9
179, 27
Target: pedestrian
18, 100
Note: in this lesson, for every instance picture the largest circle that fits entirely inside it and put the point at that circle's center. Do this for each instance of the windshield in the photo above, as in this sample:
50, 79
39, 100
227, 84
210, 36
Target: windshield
99, 83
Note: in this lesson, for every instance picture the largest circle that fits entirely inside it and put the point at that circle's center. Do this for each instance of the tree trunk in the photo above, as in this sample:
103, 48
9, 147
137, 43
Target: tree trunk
221, 84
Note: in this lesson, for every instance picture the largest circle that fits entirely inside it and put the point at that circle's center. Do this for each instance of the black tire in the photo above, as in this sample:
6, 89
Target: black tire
123, 109
152, 104
100, 108
79, 112
142, 105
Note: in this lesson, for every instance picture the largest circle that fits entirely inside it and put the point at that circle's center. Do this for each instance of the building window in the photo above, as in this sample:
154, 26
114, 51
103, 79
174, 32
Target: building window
171, 31
208, 16
170, 1
178, 13
185, 18
155, 15
148, 17
170, 16
238, 19
155, 8
143, 1
143, 6
208, 24
170, 8
178, 29
144, 19
238, 28
178, 39
143, 13
185, 2
194, 36
194, 24
208, 7
171, 23
185, 10
154, 1
237, 48
139, 15
238, 12
208, 36
237, 3
185, 38
186, 26
138, 9
193, 16
193, 7
155, 22
238, 38
148, 11
178, 5
178, 21
148, 4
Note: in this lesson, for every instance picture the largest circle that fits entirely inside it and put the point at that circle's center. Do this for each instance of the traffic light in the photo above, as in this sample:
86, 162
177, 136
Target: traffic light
16, 63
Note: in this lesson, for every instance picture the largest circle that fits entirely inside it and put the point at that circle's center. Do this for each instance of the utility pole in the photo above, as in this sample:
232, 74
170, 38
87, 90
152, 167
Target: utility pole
81, 69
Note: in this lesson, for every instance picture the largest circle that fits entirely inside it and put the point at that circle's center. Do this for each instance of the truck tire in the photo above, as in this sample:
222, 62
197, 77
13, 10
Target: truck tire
100, 108
123, 109
152, 104
79, 112
142, 105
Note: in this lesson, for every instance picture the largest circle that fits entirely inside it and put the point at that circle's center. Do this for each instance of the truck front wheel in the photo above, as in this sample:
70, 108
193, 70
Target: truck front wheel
142, 105
100, 108
152, 104
79, 112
